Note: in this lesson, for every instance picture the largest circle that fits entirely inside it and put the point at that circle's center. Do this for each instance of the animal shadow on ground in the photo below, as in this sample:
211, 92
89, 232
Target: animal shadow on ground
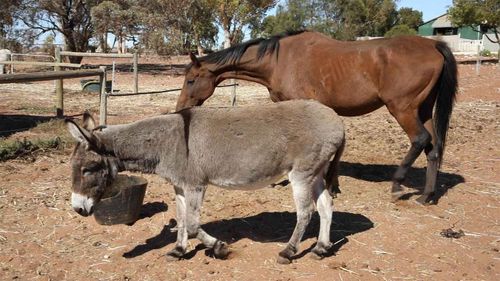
150, 209
11, 124
267, 227
415, 178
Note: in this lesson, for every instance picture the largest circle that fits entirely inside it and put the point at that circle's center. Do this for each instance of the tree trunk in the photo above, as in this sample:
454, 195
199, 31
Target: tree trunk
227, 38
120, 44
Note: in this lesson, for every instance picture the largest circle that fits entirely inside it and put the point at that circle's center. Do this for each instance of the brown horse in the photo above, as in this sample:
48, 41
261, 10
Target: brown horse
409, 75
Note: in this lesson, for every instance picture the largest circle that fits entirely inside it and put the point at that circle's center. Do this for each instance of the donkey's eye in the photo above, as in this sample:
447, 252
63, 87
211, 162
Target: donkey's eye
190, 82
86, 172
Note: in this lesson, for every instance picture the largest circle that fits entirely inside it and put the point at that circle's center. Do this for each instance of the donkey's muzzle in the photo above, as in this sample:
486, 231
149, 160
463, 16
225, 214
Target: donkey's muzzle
83, 212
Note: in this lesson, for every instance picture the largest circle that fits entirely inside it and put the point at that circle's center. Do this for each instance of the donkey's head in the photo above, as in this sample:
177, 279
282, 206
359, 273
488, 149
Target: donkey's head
93, 169
199, 85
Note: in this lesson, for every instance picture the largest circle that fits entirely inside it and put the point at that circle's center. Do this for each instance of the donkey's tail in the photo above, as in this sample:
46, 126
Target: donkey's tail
332, 174
447, 89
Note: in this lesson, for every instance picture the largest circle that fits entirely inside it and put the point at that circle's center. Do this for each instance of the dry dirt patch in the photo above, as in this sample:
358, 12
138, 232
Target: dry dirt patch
42, 238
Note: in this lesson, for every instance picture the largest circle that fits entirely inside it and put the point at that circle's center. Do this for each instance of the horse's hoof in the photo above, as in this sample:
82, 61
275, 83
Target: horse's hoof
221, 250
396, 196
283, 260
426, 200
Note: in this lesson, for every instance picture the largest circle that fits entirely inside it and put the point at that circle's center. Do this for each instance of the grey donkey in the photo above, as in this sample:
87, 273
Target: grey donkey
235, 148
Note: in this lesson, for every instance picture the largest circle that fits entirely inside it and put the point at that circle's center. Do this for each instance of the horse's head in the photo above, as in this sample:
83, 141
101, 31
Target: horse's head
92, 168
199, 85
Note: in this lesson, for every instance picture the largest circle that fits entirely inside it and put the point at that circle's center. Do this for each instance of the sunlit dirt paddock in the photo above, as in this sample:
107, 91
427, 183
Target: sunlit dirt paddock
42, 238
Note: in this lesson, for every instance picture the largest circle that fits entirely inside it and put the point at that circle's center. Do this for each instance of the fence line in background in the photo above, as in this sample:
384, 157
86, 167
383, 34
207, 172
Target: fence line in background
133, 56
52, 75
42, 63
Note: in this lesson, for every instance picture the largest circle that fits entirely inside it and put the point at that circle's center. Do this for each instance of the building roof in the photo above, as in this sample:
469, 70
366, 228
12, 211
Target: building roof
431, 20
442, 21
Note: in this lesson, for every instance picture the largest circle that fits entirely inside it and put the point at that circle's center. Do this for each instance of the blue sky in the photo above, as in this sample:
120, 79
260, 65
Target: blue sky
429, 8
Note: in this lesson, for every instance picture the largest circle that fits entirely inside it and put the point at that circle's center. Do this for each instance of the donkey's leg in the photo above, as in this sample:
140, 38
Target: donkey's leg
303, 197
194, 201
182, 234
332, 172
324, 202
419, 138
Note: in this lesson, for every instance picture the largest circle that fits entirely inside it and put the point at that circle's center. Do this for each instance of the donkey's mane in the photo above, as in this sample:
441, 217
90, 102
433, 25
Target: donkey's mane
233, 54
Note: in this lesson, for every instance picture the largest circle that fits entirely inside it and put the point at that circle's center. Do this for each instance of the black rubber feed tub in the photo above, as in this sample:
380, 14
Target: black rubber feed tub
122, 203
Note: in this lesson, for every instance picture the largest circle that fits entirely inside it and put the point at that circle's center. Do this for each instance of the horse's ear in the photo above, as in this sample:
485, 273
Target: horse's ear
88, 121
81, 135
194, 59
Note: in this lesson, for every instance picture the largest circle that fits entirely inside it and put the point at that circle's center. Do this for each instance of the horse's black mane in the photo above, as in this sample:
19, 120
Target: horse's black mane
234, 54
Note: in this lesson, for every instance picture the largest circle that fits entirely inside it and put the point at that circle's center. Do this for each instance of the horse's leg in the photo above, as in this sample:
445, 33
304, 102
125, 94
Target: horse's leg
324, 202
419, 137
182, 234
303, 197
432, 166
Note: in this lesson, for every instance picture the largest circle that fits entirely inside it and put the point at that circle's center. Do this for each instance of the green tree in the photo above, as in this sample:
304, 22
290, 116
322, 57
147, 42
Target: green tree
409, 17
8, 8
369, 17
398, 30
118, 17
233, 15
175, 27
484, 14
342, 19
71, 18
291, 16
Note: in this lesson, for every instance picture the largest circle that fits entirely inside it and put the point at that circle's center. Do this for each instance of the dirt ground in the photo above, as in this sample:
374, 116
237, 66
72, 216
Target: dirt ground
42, 238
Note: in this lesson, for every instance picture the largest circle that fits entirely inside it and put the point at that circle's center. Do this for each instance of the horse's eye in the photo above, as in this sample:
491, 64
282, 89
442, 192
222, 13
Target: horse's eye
190, 82
86, 172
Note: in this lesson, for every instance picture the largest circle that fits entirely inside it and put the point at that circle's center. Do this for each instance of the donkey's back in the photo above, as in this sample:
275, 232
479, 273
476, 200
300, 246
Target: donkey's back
253, 146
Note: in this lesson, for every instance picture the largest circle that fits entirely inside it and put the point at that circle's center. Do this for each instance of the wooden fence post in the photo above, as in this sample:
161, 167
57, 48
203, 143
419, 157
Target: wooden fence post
103, 110
136, 75
478, 62
59, 86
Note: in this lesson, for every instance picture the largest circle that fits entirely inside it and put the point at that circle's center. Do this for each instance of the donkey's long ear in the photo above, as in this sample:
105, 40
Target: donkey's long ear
88, 121
195, 60
81, 135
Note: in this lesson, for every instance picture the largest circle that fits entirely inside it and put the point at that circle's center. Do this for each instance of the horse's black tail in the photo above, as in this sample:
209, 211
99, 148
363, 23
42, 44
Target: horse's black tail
446, 93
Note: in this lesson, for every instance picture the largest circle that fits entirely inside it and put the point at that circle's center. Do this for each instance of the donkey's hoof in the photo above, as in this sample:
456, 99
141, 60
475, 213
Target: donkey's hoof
221, 250
283, 260
316, 256
320, 251
285, 256
174, 255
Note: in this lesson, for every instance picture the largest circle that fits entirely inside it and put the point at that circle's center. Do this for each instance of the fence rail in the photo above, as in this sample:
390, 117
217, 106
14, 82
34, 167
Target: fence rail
42, 63
100, 55
54, 75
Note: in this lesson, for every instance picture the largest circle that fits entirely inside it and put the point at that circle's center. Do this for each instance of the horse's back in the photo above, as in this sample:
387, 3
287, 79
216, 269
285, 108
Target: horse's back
354, 77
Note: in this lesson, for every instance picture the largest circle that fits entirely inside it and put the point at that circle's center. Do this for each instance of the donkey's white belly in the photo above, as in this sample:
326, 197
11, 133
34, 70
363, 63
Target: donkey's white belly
242, 184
